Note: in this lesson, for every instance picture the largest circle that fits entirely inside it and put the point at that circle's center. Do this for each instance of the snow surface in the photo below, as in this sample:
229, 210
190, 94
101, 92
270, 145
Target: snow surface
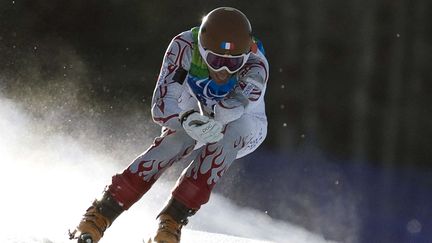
48, 180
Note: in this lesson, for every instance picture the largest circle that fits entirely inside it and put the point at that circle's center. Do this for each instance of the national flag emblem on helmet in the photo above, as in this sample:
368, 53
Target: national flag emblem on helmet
227, 45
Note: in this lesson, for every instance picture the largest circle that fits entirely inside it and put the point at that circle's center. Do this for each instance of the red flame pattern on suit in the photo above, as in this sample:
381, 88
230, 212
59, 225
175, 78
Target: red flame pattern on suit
138, 178
210, 165
165, 119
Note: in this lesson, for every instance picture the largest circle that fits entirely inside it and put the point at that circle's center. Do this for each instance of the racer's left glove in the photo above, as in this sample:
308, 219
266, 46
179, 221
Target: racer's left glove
201, 128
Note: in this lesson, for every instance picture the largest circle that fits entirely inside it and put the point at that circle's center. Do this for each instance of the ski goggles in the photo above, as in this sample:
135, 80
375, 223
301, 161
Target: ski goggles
218, 62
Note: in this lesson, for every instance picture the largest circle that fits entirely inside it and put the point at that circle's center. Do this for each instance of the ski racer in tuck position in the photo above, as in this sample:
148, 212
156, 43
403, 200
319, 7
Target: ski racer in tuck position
209, 101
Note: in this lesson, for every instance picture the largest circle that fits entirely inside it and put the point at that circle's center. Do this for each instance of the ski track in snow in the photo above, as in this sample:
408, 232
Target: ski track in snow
49, 180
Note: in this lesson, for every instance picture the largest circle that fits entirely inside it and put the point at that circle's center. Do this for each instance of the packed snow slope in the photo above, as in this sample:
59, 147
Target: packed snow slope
49, 179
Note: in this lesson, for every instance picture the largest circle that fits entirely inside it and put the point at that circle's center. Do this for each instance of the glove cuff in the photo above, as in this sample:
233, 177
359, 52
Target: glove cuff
184, 115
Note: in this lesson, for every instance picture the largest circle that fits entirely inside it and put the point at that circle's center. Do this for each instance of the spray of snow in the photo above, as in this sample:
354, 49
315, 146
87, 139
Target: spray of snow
48, 180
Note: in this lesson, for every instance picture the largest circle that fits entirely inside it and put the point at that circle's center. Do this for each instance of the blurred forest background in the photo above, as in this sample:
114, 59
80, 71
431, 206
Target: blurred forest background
348, 99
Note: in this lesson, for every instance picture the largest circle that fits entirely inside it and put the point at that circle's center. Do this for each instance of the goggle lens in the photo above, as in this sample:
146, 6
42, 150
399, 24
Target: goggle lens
217, 62
232, 63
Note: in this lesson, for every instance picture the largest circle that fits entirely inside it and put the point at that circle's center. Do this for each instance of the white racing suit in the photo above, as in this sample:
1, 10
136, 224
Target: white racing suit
241, 110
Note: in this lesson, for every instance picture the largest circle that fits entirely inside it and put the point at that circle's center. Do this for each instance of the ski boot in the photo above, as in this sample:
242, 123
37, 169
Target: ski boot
171, 220
98, 217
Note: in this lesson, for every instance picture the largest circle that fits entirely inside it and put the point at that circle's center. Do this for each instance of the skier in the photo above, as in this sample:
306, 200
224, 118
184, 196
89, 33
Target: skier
209, 101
